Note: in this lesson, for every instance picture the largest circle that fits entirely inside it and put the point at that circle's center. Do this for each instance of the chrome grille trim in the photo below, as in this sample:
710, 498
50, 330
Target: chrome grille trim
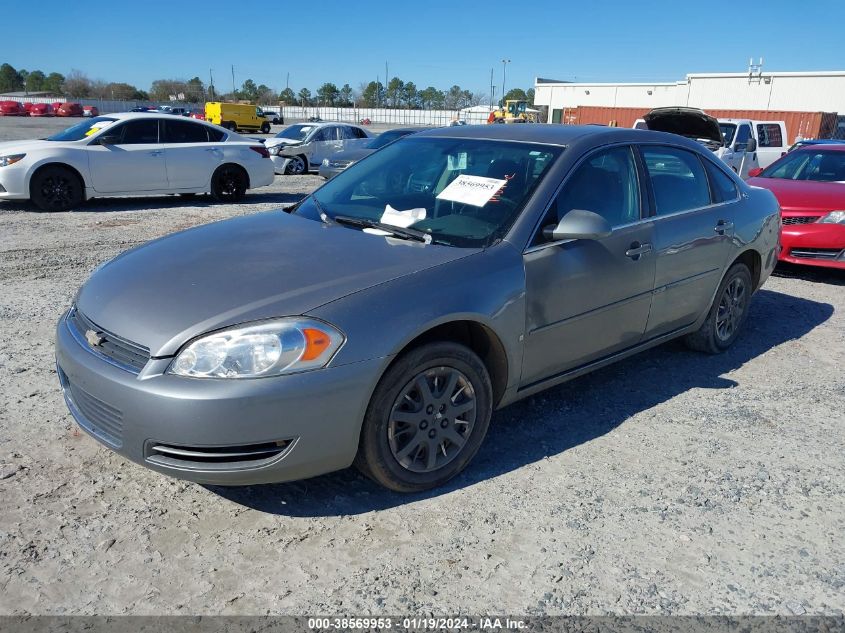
115, 349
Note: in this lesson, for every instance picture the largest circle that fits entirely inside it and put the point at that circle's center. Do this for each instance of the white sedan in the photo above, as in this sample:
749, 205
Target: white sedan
132, 154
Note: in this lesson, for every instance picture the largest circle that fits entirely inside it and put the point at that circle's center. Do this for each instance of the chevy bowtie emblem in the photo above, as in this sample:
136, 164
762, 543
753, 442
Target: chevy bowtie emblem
94, 339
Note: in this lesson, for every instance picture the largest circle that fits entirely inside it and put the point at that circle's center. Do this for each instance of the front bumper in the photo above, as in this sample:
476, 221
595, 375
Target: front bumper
329, 172
280, 163
313, 418
814, 245
13, 183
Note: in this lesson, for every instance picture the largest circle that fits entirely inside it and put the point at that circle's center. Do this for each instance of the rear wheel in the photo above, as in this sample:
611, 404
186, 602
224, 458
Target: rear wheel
727, 314
296, 166
265, 128
56, 188
229, 183
427, 418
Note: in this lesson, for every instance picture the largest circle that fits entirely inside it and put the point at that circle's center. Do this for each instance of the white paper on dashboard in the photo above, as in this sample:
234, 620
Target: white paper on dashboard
474, 190
402, 219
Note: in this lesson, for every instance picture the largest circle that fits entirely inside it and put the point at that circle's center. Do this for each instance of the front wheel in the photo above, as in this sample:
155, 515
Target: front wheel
56, 188
427, 418
229, 183
726, 315
296, 166
265, 128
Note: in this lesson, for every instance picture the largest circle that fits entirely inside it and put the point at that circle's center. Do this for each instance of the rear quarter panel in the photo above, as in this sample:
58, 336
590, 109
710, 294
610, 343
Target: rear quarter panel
757, 227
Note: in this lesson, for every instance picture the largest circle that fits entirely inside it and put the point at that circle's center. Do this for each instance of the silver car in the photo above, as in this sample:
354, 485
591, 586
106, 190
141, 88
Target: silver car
302, 147
385, 317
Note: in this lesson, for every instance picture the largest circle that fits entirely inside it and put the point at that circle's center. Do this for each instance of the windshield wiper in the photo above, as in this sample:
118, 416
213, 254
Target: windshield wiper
323, 215
397, 231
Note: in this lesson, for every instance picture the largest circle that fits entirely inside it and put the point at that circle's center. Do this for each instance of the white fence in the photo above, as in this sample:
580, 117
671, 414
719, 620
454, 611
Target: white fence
381, 115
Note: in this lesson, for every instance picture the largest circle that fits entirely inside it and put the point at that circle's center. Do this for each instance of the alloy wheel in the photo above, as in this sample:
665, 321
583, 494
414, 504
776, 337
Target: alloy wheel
731, 309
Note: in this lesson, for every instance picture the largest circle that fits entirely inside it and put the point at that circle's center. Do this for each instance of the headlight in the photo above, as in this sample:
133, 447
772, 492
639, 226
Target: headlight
274, 151
11, 159
271, 348
325, 162
834, 217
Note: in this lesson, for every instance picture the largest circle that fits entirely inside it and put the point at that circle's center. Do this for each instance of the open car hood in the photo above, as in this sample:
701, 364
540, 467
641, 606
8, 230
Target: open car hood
690, 122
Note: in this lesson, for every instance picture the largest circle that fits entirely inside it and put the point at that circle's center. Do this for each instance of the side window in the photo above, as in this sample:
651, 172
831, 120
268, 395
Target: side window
359, 133
215, 135
142, 131
743, 133
769, 135
321, 135
606, 183
722, 186
677, 179
347, 133
184, 132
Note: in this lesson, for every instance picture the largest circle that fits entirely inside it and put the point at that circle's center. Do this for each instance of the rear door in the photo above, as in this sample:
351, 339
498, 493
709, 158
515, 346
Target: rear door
587, 299
191, 155
134, 162
693, 232
771, 142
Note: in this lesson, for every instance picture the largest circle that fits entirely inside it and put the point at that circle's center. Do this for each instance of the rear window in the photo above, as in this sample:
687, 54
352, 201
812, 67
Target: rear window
677, 179
185, 132
722, 186
769, 135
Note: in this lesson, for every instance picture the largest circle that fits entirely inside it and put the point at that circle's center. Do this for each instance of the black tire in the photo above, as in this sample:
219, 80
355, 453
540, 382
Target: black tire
265, 128
230, 125
297, 166
727, 314
187, 196
383, 443
229, 183
56, 188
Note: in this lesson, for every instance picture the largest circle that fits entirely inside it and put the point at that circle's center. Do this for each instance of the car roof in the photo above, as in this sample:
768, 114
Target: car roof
557, 134
821, 147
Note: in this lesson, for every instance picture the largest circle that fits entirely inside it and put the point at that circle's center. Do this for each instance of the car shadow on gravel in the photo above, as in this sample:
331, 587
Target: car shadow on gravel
818, 274
159, 203
558, 419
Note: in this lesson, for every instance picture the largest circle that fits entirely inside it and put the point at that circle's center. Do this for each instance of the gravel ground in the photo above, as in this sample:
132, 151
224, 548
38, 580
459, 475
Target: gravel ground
670, 483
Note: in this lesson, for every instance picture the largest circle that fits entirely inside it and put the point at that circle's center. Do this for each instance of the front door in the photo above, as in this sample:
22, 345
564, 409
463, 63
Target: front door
134, 161
587, 299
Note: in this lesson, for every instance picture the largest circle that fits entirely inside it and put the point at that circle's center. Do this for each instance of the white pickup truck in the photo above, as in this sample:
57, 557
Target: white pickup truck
770, 137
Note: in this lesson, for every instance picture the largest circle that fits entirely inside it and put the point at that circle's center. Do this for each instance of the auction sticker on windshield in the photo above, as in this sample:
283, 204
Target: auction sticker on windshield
474, 190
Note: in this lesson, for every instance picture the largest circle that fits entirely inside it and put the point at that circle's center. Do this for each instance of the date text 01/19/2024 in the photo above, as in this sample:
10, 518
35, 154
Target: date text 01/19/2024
415, 624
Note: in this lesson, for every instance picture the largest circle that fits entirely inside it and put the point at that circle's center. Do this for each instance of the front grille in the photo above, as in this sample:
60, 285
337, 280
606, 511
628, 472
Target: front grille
799, 219
817, 253
95, 416
125, 354
216, 457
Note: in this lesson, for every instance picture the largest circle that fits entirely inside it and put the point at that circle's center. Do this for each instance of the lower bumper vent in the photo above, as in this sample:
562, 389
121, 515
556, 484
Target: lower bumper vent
216, 457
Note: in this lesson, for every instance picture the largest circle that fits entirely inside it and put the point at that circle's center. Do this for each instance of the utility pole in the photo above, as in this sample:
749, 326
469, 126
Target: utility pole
211, 84
287, 82
385, 83
492, 90
505, 63
233, 80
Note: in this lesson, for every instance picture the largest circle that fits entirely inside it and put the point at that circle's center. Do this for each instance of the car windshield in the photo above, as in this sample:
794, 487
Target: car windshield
728, 130
386, 137
82, 130
454, 191
825, 166
295, 132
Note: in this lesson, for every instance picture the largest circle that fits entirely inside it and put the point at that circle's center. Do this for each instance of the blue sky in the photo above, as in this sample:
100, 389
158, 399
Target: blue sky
430, 43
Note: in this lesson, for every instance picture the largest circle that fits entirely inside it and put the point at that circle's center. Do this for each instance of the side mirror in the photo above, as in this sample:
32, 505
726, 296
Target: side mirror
109, 139
752, 145
579, 225
753, 173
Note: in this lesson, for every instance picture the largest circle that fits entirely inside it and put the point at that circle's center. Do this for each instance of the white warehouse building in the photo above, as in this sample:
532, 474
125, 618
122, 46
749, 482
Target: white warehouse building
822, 91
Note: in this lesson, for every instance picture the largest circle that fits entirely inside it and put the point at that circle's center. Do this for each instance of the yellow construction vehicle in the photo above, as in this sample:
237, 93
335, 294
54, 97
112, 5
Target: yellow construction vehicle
514, 111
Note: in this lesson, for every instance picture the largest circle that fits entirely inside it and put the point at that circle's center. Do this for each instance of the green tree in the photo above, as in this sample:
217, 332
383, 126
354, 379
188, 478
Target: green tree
432, 98
516, 93
77, 84
10, 81
327, 94
304, 97
35, 81
288, 96
346, 95
371, 95
454, 98
248, 90
395, 91
194, 90
410, 94
529, 94
54, 83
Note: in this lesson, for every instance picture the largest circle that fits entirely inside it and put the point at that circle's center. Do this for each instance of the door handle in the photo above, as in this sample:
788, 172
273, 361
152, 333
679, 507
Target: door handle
212, 149
636, 249
723, 226
156, 152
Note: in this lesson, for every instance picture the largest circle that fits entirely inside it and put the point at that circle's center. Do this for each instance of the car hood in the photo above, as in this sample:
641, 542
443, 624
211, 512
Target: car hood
272, 142
689, 122
23, 146
804, 195
166, 292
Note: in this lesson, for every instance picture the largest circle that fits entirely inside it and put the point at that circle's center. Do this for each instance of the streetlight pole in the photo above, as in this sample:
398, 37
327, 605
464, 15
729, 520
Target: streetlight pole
505, 63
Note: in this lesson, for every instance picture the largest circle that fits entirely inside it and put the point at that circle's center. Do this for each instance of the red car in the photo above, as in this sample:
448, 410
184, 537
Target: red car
41, 109
809, 183
11, 108
69, 109
197, 114
90, 110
